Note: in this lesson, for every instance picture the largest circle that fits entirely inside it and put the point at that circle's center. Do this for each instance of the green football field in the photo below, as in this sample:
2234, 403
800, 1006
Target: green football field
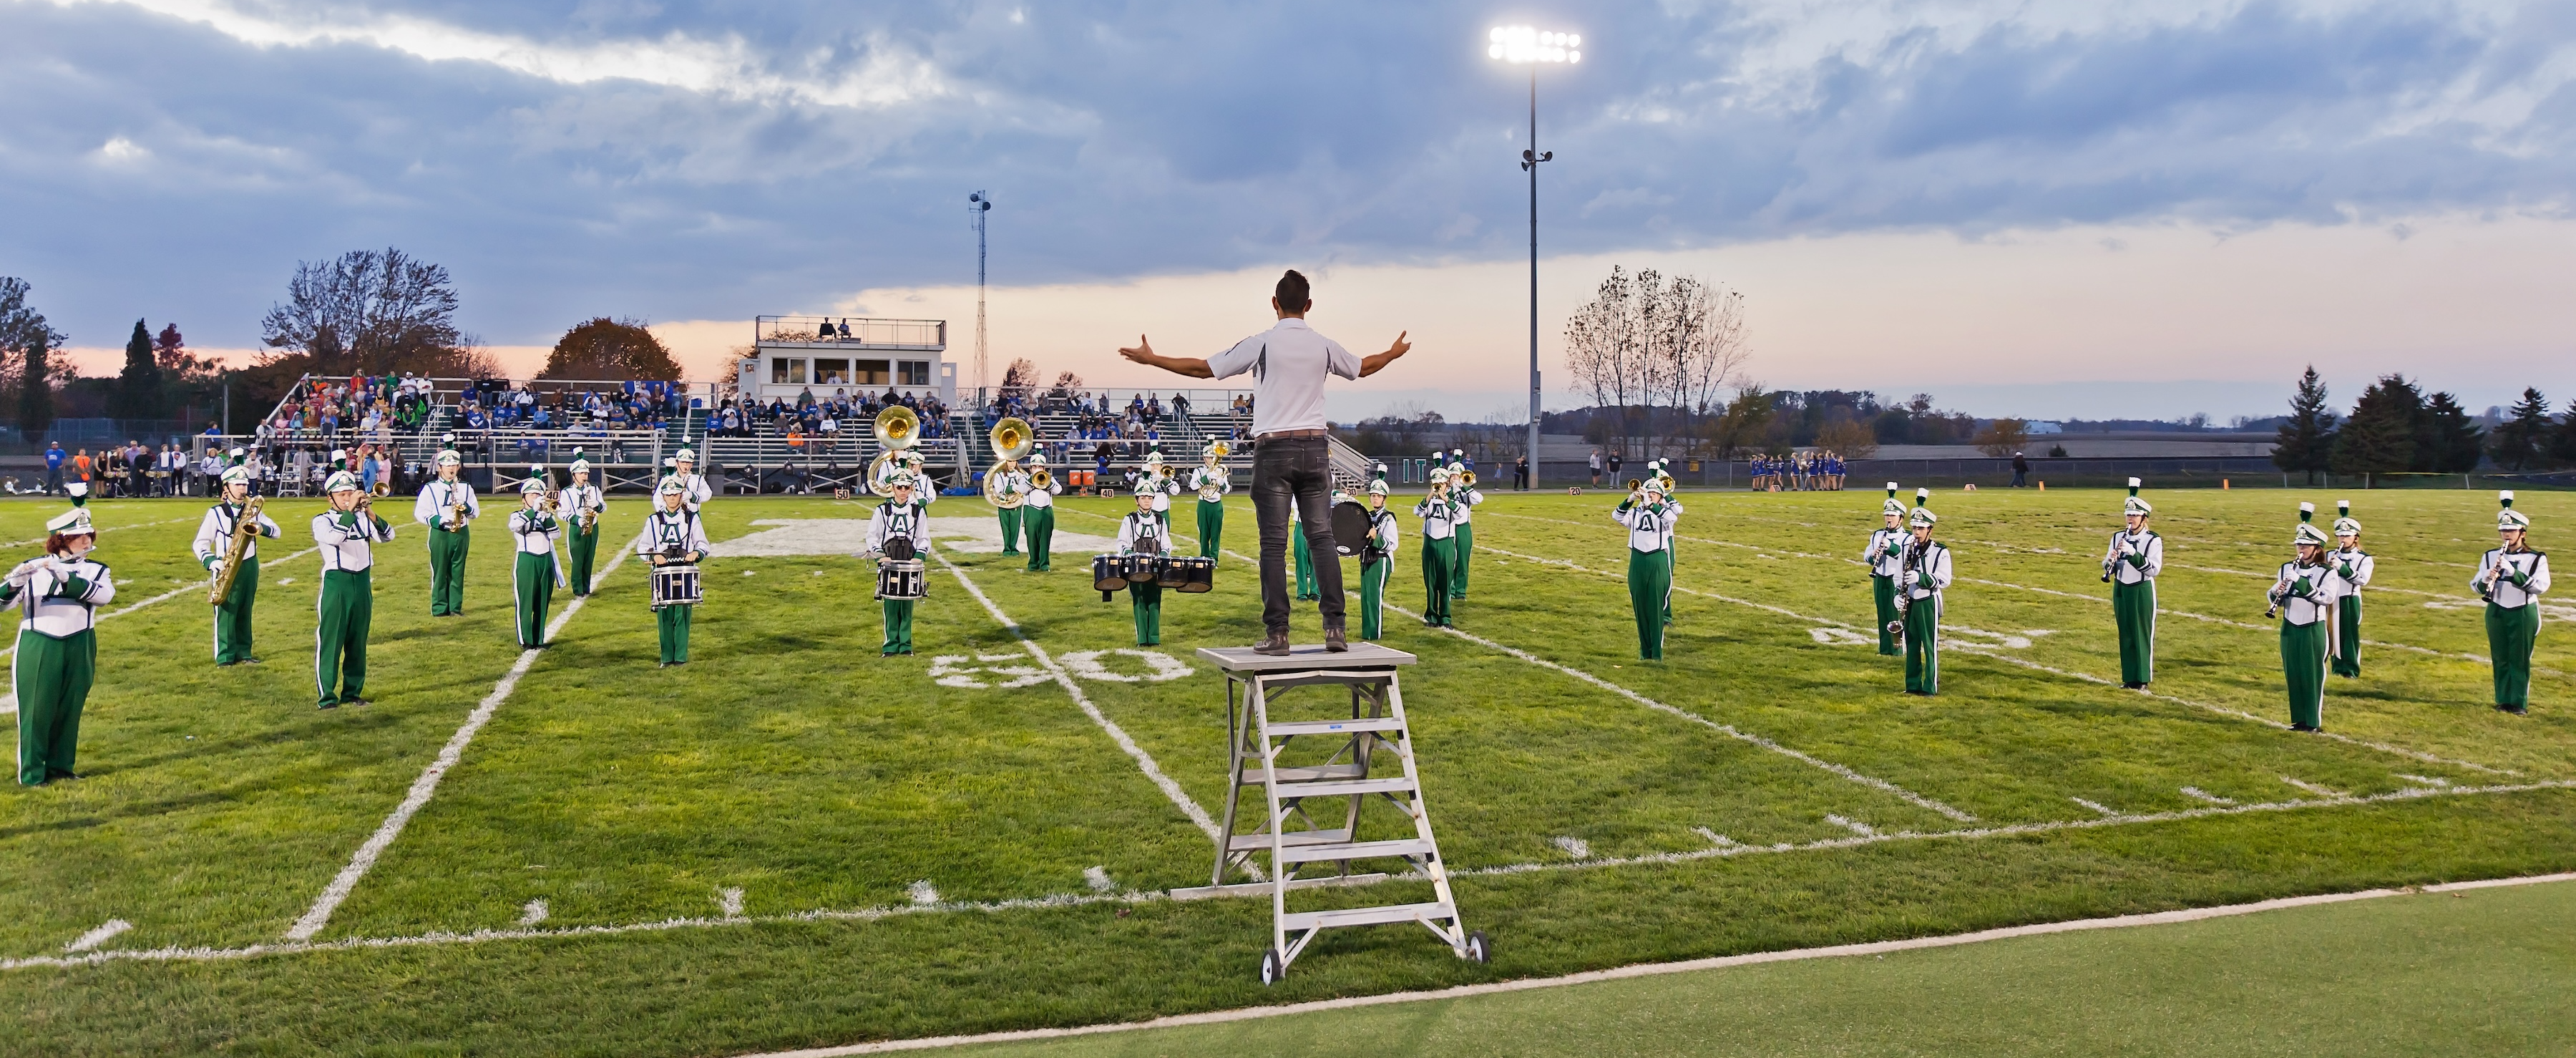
793, 842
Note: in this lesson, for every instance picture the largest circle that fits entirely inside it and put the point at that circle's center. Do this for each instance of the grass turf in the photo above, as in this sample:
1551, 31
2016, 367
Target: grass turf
790, 763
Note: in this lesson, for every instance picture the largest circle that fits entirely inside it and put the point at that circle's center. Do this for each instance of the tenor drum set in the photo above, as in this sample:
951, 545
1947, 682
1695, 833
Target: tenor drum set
1190, 574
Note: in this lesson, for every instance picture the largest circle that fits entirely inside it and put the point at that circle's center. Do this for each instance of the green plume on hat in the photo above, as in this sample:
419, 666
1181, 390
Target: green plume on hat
2343, 508
2307, 512
2133, 486
1923, 497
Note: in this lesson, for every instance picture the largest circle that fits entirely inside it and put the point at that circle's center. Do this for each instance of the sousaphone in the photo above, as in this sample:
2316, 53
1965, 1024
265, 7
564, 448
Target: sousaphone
1012, 440
897, 430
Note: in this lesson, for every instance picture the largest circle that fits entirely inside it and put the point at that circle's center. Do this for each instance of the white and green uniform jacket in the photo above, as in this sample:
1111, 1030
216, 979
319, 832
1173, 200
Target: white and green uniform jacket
1043, 497
2526, 576
1139, 526
1650, 526
665, 531
1439, 517
1382, 523
1011, 483
215, 534
1929, 575
348, 548
60, 595
2310, 593
1202, 480
2351, 569
694, 490
1164, 486
1462, 503
2140, 556
535, 530
438, 497
892, 520
579, 498
1886, 549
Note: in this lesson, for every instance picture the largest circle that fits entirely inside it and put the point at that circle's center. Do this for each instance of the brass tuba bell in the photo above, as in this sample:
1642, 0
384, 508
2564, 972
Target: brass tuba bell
1011, 439
897, 431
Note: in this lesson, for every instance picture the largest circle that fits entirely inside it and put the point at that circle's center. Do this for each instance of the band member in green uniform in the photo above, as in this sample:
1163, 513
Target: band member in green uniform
1142, 532
2352, 568
1160, 479
2304, 597
1377, 562
1306, 583
533, 572
448, 507
1648, 517
1887, 548
214, 541
582, 503
57, 656
1923, 574
1463, 498
899, 522
2511, 578
2136, 556
347, 535
1439, 543
693, 485
1212, 482
672, 536
1037, 516
1010, 483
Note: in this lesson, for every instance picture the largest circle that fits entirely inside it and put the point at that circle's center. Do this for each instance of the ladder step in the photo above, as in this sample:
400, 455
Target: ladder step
1295, 838
1331, 788
1356, 850
1366, 916
1252, 773
1333, 727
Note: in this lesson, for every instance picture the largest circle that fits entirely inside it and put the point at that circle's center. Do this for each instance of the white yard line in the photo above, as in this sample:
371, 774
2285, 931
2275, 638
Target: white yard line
9, 701
33, 541
1066, 900
105, 932
319, 915
1144, 760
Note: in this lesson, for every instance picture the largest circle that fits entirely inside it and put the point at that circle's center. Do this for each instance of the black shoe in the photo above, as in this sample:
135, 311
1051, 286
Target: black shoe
2304, 727
1275, 644
328, 705
664, 665
2517, 710
358, 701
1335, 642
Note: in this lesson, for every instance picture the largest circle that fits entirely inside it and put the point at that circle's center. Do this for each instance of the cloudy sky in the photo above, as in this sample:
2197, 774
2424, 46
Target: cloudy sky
2153, 207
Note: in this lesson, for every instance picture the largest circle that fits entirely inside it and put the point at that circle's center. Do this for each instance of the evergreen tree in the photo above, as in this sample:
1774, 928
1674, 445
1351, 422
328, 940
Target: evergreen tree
2522, 442
2379, 436
139, 393
2308, 438
2447, 441
2562, 443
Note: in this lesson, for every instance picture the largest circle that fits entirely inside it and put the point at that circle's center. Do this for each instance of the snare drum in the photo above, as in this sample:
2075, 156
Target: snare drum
676, 586
1108, 572
1190, 574
901, 579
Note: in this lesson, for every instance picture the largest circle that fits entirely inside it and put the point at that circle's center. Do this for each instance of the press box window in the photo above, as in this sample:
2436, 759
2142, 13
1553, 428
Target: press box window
873, 372
914, 372
787, 370
831, 372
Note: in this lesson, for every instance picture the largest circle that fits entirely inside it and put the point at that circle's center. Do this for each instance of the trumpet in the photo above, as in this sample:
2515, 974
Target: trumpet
1040, 479
1466, 479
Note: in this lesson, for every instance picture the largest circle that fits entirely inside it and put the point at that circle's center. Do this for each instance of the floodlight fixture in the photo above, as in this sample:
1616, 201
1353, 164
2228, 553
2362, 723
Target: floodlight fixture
1524, 44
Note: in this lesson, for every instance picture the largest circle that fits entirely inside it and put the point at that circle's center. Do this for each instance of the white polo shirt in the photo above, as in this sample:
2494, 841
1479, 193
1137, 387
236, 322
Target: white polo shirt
1288, 363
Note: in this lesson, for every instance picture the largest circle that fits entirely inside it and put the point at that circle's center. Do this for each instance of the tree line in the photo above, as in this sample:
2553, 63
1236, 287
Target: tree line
2395, 427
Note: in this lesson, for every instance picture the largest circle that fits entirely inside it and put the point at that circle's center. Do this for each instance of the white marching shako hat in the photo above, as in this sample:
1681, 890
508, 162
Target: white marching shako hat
1378, 488
2508, 518
236, 475
1893, 505
1652, 484
1439, 475
2308, 533
340, 481
685, 456
536, 481
1036, 460
449, 458
1146, 488
2134, 504
579, 465
2345, 524
1922, 514
74, 522
671, 486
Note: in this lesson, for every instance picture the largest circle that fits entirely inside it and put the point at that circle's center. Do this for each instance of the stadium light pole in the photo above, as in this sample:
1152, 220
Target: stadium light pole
1523, 45
979, 204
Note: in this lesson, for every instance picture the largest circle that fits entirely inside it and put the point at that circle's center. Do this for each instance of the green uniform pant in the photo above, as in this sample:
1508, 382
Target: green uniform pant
1466, 545
1212, 529
2133, 606
1923, 645
673, 624
898, 626
1306, 588
1010, 530
532, 587
1883, 589
1146, 599
1650, 579
2303, 667
1373, 579
579, 549
447, 571
2509, 640
232, 616
1438, 565
52, 678
341, 614
2347, 657
1040, 523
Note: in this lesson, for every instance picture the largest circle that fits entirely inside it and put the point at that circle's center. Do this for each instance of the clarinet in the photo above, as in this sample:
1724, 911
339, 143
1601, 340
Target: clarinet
2113, 561
2280, 591
2486, 592
1904, 595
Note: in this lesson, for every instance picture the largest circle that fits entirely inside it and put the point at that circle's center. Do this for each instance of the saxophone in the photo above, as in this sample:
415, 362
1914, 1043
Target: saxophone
245, 529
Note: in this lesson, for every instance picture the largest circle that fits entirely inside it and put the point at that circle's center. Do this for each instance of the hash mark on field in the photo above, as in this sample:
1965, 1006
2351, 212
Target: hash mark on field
729, 901
922, 894
1855, 826
533, 913
105, 932
2197, 792
2104, 809
2315, 789
1714, 838
1098, 879
2426, 780
1574, 846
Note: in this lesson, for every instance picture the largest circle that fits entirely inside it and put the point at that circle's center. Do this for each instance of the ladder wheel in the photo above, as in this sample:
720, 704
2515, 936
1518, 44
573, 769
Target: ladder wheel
1271, 969
1478, 948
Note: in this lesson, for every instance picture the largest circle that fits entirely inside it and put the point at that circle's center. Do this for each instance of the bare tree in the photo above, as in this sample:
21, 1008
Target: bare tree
1606, 349
1645, 344
1699, 337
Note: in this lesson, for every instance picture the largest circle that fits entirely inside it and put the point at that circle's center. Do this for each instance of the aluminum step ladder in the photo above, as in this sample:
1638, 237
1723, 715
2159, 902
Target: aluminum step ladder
1371, 761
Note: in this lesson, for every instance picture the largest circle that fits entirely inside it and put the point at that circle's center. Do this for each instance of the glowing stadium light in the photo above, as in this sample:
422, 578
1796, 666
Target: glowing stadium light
1524, 44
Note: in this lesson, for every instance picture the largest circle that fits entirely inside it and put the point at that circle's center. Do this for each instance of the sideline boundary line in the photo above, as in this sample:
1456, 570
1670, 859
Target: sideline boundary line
342, 884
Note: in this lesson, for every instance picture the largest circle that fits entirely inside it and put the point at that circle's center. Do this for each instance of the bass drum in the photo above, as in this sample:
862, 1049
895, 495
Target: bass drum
1350, 524
1108, 573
